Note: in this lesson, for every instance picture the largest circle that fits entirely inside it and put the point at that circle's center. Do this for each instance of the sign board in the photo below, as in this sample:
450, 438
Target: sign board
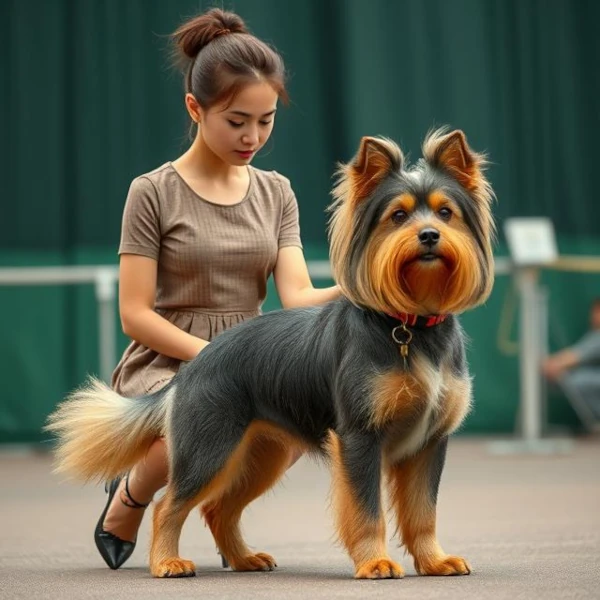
531, 240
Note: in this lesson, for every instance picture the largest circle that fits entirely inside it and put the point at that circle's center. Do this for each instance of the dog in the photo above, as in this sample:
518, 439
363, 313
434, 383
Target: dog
375, 381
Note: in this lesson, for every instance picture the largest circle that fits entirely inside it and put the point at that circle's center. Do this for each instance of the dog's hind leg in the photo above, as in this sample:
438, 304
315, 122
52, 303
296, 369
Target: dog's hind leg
172, 510
169, 516
414, 487
356, 495
200, 470
267, 454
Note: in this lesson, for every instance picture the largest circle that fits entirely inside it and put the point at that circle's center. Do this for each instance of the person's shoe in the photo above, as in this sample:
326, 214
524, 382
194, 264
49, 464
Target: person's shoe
113, 549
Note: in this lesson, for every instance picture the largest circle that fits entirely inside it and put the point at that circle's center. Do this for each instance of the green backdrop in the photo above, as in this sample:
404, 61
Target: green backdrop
89, 100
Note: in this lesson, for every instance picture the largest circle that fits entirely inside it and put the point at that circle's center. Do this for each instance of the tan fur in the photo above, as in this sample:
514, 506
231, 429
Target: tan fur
92, 422
397, 395
363, 537
437, 200
265, 462
416, 515
378, 273
380, 568
434, 404
255, 466
405, 202
447, 286
167, 522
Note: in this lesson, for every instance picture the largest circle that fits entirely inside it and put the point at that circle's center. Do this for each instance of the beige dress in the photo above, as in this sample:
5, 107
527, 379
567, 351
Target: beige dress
213, 260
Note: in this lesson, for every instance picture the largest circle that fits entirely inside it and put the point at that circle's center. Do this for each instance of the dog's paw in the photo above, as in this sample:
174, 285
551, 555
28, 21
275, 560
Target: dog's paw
174, 567
261, 561
379, 568
444, 565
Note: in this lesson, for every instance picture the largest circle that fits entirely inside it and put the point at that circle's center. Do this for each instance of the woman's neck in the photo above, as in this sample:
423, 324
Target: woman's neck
199, 161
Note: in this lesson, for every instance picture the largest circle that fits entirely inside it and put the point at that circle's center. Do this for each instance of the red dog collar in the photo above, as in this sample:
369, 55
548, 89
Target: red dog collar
418, 320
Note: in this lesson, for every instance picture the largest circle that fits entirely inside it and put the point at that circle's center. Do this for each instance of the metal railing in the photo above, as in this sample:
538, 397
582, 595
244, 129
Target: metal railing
532, 327
104, 278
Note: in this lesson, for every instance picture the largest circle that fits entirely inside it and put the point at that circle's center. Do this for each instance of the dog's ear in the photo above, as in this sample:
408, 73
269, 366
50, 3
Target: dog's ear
376, 157
451, 152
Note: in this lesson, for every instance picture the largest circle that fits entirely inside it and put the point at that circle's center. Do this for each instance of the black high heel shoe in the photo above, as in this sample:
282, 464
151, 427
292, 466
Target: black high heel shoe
113, 549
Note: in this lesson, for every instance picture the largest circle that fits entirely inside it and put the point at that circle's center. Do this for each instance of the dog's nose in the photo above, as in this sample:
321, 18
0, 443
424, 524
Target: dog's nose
429, 236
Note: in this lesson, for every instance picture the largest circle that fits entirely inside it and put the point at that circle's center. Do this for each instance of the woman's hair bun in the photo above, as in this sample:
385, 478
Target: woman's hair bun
196, 33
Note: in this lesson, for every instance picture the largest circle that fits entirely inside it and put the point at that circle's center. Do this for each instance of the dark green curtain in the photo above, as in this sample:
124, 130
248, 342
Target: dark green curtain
89, 100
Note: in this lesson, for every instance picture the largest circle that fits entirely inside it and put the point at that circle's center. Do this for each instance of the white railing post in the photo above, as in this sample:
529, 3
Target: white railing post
105, 297
530, 355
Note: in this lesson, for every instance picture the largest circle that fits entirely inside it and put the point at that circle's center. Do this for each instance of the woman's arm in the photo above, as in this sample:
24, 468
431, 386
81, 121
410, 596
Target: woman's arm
293, 283
137, 291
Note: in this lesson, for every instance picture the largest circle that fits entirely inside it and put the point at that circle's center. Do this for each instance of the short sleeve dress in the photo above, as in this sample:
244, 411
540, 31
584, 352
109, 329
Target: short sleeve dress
213, 260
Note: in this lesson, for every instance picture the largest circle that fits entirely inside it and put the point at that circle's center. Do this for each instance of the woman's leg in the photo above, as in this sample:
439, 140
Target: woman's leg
144, 480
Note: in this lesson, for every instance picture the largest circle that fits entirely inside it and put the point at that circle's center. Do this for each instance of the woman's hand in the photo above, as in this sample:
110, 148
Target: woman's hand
293, 283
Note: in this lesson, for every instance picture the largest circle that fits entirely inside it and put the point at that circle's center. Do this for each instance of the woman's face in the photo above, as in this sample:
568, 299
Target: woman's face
235, 130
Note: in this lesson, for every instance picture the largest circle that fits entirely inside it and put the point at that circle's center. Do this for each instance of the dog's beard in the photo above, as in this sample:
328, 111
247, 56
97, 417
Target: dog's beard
399, 275
451, 282
427, 283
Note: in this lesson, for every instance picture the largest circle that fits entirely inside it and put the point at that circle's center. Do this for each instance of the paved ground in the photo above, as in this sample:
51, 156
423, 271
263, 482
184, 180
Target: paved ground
530, 527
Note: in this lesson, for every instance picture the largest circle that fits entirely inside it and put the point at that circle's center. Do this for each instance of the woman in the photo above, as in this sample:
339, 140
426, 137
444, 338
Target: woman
200, 237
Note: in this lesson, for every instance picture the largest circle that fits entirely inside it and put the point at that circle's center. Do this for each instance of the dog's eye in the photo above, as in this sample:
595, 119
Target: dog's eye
445, 213
399, 216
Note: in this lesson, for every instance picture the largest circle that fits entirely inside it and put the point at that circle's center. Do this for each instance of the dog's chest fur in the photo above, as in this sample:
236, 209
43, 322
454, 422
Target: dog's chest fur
411, 406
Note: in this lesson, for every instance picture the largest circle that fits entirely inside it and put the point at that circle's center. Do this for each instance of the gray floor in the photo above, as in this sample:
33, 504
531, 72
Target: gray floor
530, 526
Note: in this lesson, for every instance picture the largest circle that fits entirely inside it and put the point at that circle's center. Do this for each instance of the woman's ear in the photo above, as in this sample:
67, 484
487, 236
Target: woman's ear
194, 109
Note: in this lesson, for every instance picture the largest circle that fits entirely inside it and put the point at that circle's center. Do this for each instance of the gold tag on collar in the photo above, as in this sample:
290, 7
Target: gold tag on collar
403, 337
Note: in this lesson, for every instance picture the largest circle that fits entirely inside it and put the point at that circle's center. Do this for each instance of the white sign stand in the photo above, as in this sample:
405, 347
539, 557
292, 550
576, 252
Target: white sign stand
532, 244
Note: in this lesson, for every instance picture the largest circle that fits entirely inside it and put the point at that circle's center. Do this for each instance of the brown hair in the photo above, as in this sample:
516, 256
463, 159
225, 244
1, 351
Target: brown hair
220, 56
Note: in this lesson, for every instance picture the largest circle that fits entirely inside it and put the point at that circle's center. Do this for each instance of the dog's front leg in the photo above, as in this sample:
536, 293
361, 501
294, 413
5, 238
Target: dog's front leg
414, 487
356, 480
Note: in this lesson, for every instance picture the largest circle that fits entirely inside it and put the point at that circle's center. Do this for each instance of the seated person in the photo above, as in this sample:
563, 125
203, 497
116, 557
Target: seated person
577, 368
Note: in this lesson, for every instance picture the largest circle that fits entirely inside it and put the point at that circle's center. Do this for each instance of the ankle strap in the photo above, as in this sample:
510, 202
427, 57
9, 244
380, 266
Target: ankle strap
128, 500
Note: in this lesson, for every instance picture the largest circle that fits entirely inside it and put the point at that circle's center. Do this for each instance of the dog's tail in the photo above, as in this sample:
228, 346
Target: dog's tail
101, 434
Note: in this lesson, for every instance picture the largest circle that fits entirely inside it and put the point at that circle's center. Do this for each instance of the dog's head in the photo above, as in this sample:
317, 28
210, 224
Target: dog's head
417, 239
